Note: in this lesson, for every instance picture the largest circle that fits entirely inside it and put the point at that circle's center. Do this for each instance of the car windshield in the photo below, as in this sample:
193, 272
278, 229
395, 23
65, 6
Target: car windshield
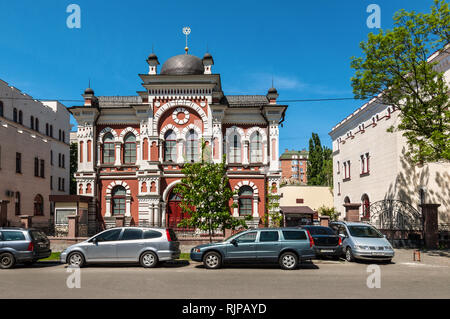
233, 236
364, 231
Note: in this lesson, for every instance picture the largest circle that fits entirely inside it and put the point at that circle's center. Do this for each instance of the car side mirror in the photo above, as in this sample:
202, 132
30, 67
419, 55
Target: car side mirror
342, 236
95, 241
384, 236
234, 242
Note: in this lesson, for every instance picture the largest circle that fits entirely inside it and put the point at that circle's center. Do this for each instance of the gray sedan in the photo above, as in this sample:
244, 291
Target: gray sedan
146, 246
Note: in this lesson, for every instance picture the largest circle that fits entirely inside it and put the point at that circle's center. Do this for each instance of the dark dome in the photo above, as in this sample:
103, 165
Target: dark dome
89, 91
183, 64
152, 57
272, 90
207, 56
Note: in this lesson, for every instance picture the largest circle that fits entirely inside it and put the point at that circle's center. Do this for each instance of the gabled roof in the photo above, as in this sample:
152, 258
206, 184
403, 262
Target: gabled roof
118, 101
289, 154
245, 100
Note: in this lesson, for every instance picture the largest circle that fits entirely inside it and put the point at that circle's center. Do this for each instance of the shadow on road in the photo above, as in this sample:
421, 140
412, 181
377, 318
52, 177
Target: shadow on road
39, 264
303, 265
163, 264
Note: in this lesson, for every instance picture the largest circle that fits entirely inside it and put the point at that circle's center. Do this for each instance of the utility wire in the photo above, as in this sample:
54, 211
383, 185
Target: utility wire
122, 102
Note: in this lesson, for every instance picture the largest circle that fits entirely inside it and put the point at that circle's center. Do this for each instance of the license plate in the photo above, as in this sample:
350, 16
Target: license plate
377, 254
327, 250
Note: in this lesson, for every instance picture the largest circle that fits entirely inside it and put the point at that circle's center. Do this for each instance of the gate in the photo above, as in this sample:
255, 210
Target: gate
399, 221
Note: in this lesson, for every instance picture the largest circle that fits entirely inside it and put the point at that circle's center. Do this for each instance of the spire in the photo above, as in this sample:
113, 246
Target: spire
186, 32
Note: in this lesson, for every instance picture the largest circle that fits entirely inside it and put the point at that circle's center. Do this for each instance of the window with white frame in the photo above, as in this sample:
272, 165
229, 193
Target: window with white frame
255, 148
170, 146
192, 148
347, 170
235, 149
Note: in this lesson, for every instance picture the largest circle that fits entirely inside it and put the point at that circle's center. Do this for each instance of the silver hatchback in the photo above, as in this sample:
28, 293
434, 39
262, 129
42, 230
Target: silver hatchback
143, 245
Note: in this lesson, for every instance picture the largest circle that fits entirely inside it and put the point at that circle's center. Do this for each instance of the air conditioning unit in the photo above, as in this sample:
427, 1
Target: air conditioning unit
9, 193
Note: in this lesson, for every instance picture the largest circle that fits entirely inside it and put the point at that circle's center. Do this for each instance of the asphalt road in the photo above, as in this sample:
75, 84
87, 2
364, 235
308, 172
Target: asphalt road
403, 278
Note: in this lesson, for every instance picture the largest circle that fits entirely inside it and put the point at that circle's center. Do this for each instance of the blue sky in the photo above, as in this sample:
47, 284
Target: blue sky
305, 45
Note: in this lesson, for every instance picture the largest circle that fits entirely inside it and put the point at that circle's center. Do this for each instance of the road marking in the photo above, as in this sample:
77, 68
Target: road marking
423, 265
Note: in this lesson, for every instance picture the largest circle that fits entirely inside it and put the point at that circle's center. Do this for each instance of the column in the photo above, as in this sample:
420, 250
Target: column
138, 153
352, 212
99, 145
128, 206
108, 206
162, 213
180, 153
151, 217
255, 206
118, 161
245, 155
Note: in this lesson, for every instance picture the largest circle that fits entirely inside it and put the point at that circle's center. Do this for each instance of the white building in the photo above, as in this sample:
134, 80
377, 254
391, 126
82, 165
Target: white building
369, 163
34, 156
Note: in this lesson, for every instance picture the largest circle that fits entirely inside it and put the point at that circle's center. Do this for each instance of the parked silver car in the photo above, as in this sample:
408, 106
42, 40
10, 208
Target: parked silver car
143, 245
363, 241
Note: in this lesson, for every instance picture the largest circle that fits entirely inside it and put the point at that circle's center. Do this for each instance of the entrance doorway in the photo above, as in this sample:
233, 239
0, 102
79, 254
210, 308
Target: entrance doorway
3, 213
175, 212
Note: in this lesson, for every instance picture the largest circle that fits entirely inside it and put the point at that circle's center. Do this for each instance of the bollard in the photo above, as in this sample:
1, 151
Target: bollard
416, 255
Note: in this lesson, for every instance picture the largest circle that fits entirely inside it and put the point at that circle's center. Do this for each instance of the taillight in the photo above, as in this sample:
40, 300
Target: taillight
311, 240
30, 246
168, 235
340, 241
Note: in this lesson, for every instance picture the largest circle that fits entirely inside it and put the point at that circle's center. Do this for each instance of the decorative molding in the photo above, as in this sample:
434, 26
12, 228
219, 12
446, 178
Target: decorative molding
105, 131
175, 116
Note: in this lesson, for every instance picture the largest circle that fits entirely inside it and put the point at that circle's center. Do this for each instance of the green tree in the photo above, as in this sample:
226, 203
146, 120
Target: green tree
273, 203
329, 211
395, 68
73, 167
315, 161
320, 163
205, 195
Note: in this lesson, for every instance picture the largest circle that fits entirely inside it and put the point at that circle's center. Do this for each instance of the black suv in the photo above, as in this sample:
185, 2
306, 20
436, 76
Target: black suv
19, 245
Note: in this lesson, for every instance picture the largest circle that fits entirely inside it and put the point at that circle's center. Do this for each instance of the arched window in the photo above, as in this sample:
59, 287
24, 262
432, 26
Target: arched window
129, 149
20, 117
36, 125
365, 206
235, 149
347, 200
255, 148
118, 200
32, 122
15, 115
108, 149
245, 201
1, 108
17, 203
170, 146
38, 205
192, 152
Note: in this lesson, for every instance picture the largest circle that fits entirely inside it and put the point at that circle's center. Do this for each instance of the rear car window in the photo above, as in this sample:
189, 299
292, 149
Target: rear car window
268, 236
294, 235
320, 231
13, 235
173, 235
149, 234
38, 235
132, 234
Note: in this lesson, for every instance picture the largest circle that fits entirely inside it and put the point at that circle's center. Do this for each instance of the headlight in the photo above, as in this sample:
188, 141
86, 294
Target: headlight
196, 250
388, 248
362, 247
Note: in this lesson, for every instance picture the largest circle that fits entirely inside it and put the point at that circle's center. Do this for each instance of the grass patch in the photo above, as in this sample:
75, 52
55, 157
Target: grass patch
185, 256
52, 257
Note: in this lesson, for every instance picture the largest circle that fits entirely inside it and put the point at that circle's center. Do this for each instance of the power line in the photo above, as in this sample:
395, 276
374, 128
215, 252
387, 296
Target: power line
282, 101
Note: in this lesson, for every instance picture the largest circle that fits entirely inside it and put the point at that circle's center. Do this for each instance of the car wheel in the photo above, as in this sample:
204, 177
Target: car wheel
288, 261
349, 255
212, 260
7, 261
148, 259
76, 259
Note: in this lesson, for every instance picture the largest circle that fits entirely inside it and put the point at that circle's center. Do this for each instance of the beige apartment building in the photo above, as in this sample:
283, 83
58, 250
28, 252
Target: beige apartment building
370, 169
34, 156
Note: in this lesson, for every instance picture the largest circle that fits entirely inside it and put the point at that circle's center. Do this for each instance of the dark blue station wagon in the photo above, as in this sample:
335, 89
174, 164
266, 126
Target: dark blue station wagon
287, 246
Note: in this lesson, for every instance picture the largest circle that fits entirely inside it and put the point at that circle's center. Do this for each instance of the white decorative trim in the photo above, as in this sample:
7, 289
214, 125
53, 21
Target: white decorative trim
175, 116
254, 129
168, 189
184, 103
235, 130
105, 131
247, 183
169, 127
126, 131
127, 197
191, 127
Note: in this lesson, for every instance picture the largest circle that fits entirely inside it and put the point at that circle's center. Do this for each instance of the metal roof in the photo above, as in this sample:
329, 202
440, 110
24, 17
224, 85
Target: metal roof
118, 101
245, 100
183, 64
